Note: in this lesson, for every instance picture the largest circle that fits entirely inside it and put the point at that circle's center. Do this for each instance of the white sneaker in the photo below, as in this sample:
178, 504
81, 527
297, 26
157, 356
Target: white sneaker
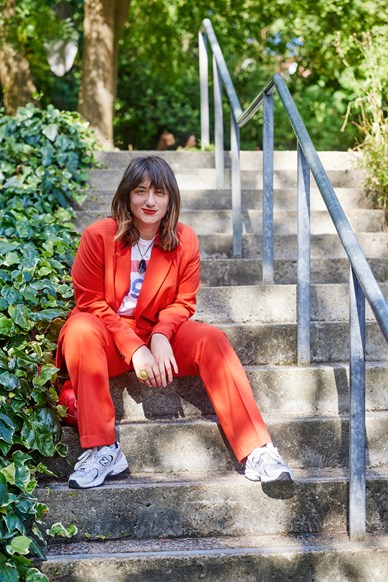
265, 464
95, 464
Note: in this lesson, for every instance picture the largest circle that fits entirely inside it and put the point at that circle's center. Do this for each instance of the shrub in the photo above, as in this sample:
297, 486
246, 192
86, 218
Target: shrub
370, 84
43, 158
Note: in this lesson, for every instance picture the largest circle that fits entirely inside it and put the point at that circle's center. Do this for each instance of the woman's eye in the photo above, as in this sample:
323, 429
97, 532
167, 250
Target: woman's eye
160, 192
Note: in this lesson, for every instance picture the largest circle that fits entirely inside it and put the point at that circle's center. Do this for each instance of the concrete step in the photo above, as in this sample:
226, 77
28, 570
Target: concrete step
248, 559
249, 160
205, 199
374, 245
273, 303
205, 178
278, 390
229, 505
257, 344
285, 222
223, 272
167, 447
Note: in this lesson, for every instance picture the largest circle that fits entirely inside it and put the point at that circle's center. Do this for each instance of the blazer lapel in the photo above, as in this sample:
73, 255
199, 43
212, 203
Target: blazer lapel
157, 270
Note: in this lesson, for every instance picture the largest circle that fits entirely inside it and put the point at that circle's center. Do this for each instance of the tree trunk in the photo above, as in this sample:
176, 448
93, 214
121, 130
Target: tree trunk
103, 25
15, 73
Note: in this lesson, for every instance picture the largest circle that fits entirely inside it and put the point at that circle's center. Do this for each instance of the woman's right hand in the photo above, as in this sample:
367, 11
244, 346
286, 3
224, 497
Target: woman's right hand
142, 359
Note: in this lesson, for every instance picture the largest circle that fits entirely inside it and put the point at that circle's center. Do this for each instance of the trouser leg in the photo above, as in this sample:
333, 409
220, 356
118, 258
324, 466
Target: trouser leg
204, 350
91, 359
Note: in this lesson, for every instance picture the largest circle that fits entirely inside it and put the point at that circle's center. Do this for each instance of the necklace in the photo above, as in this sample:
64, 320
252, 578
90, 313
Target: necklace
142, 263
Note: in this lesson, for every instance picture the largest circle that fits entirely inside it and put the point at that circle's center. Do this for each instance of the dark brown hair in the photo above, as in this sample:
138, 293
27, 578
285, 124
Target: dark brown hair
160, 175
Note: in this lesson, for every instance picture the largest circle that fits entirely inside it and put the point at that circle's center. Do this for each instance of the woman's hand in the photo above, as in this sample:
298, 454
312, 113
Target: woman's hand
142, 359
162, 352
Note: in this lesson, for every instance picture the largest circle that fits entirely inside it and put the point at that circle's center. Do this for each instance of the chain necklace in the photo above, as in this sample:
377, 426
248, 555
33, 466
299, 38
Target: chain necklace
142, 263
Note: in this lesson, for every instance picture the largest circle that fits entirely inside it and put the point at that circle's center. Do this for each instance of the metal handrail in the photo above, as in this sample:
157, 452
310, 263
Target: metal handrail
207, 29
362, 283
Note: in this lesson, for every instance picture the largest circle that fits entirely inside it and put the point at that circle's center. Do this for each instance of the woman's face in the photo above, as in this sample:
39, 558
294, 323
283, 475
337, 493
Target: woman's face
148, 206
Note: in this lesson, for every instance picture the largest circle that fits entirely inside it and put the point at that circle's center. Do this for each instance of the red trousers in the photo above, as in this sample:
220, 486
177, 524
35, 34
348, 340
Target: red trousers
92, 358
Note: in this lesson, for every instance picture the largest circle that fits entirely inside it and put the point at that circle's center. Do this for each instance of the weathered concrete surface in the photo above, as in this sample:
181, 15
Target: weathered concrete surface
278, 390
261, 559
249, 160
205, 178
374, 245
269, 303
276, 344
224, 506
187, 447
218, 272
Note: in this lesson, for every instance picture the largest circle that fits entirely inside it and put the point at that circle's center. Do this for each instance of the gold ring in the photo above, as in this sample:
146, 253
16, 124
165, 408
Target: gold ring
143, 374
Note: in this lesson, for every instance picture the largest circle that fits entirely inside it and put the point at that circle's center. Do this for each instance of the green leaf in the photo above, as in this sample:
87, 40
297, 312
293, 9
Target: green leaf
47, 314
11, 258
8, 573
9, 473
36, 550
14, 523
3, 491
20, 458
46, 373
57, 529
9, 381
7, 428
50, 131
20, 315
6, 326
19, 545
33, 575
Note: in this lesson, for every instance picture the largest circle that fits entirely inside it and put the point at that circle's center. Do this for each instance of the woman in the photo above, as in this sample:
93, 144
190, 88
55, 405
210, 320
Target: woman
135, 280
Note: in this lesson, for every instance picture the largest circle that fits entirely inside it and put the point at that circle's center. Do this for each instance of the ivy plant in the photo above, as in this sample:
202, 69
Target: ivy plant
44, 155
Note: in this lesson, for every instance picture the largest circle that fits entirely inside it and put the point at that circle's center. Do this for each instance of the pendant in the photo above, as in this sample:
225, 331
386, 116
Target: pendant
142, 267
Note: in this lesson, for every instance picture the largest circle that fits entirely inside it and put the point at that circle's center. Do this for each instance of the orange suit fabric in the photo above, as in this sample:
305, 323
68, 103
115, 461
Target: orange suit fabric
97, 344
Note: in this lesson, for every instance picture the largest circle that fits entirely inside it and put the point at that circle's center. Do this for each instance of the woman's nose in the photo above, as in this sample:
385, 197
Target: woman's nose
150, 198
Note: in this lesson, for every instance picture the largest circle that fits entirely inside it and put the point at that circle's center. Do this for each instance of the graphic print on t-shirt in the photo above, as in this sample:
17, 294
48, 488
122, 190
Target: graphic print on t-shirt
128, 304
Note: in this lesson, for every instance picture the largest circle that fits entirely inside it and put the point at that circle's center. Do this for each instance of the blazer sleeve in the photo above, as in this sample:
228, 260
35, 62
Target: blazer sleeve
183, 307
88, 282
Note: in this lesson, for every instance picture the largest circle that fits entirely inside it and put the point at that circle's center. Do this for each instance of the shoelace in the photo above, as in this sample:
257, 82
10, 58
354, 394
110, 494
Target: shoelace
85, 461
272, 453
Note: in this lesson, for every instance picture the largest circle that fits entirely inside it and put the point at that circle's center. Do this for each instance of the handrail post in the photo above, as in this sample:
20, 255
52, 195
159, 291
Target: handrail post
204, 90
357, 487
303, 268
268, 231
236, 186
218, 125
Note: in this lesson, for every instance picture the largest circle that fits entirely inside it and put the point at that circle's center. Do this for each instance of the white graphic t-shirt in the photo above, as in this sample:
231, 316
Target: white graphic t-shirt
128, 304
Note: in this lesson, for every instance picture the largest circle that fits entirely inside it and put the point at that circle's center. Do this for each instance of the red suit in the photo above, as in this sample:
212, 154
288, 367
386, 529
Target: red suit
97, 344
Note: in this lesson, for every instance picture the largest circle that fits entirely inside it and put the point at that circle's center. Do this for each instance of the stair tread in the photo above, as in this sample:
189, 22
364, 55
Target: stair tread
188, 546
146, 480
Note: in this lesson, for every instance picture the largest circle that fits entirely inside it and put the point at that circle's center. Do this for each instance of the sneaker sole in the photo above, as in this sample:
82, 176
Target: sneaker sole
119, 467
285, 476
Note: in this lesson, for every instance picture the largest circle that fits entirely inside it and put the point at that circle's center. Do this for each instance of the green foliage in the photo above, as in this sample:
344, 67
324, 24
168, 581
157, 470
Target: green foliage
158, 79
43, 159
158, 85
368, 110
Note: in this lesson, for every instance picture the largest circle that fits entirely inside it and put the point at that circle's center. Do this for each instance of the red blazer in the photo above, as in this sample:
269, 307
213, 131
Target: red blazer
101, 278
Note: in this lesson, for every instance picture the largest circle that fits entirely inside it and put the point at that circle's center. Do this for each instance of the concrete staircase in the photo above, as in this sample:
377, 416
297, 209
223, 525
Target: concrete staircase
185, 512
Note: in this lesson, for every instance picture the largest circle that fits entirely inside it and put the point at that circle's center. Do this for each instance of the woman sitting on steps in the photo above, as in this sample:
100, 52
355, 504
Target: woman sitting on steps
135, 277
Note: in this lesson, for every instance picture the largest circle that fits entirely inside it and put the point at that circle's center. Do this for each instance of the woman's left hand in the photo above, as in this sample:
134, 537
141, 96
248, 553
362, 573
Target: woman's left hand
162, 351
